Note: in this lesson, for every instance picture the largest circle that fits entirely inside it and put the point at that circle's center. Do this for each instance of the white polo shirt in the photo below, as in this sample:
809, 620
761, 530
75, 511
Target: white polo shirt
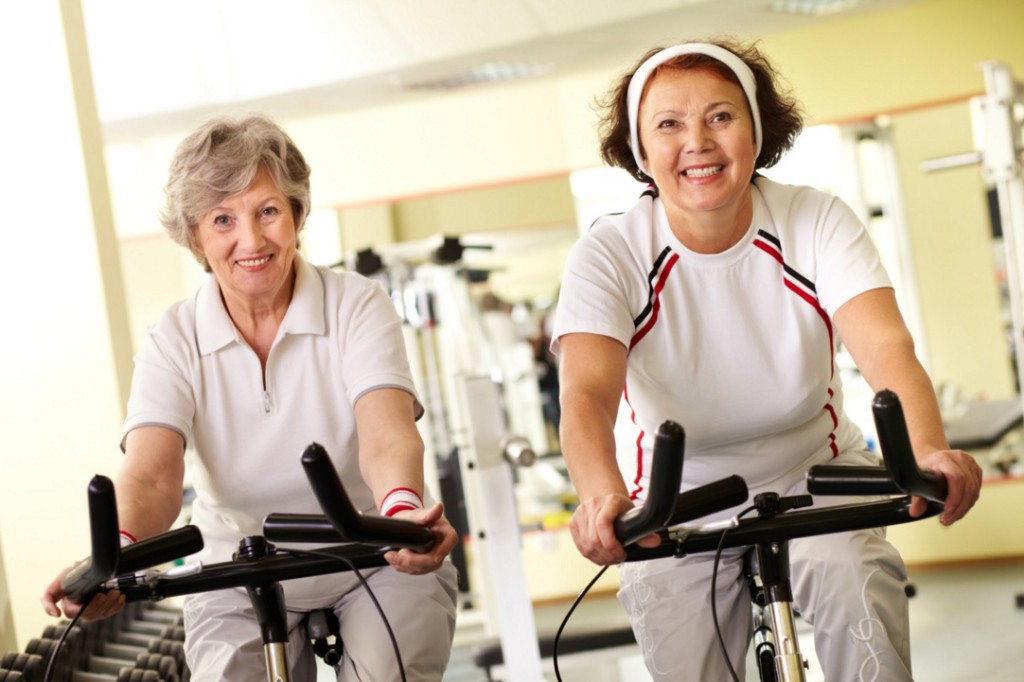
340, 338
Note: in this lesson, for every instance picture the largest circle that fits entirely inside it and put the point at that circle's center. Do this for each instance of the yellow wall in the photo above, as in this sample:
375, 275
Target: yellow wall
923, 53
518, 206
991, 530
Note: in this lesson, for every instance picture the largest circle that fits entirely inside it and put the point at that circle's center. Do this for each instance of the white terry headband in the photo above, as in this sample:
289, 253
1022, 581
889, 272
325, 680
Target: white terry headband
639, 79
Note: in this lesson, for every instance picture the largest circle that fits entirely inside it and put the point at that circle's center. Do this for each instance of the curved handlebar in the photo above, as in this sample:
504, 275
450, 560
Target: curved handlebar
108, 558
666, 475
900, 474
341, 521
665, 505
81, 581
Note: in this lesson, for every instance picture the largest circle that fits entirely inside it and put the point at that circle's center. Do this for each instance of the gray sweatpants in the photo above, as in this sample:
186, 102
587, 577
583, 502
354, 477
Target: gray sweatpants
849, 586
223, 642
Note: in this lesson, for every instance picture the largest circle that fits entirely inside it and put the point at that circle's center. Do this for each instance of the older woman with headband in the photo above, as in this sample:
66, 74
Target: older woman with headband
717, 301
273, 353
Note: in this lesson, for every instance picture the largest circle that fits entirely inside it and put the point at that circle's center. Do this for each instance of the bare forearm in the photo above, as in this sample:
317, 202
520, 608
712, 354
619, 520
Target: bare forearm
588, 447
899, 371
390, 447
144, 507
149, 484
399, 465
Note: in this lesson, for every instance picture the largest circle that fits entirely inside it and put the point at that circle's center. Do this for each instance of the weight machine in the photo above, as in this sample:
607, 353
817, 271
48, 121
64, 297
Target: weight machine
997, 119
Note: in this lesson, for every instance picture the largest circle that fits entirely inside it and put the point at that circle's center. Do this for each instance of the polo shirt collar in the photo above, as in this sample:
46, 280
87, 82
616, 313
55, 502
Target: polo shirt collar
215, 330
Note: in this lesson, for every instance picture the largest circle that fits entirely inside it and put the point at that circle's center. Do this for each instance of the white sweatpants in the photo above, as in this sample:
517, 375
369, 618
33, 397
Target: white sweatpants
223, 641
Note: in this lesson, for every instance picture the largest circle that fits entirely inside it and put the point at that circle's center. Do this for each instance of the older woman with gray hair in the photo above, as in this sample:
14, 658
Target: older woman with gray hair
271, 354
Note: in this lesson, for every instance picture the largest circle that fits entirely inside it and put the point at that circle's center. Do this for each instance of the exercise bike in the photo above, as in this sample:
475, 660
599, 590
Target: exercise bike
357, 541
780, 519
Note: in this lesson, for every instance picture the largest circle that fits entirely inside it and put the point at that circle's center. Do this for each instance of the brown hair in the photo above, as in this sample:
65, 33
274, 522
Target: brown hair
781, 117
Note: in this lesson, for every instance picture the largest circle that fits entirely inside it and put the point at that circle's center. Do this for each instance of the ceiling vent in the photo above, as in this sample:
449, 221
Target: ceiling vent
816, 8
491, 72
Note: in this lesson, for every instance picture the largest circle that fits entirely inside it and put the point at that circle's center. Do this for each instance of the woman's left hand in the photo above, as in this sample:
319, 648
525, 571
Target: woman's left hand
445, 538
963, 483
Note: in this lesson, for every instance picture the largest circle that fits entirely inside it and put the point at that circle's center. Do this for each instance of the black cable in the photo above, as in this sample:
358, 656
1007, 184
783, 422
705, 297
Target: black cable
714, 608
48, 675
558, 633
373, 598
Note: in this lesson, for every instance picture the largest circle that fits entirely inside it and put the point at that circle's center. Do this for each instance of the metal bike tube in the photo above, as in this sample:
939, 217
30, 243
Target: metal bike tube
773, 560
268, 602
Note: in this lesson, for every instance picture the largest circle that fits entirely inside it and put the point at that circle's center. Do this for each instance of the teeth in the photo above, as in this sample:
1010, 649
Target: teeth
702, 172
253, 262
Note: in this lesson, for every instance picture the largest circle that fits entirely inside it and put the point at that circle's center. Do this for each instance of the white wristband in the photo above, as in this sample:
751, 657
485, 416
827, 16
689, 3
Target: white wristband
127, 539
400, 499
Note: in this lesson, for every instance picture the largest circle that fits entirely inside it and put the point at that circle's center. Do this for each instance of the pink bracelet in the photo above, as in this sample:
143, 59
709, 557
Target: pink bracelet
400, 499
127, 538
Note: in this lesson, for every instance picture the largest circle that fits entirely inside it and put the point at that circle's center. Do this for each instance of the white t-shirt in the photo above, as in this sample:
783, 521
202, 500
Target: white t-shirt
737, 347
340, 338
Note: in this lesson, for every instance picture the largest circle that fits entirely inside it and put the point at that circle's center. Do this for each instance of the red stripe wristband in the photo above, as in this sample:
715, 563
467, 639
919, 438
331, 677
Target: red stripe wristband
127, 538
400, 499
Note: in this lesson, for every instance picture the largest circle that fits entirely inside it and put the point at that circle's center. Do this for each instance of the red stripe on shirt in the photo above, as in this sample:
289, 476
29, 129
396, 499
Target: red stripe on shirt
637, 488
656, 304
814, 303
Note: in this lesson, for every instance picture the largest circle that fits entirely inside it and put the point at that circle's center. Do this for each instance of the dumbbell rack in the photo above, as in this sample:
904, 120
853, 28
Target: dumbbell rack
144, 642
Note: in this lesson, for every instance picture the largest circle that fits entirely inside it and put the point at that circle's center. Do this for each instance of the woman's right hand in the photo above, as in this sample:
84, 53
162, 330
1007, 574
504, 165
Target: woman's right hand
594, 533
102, 605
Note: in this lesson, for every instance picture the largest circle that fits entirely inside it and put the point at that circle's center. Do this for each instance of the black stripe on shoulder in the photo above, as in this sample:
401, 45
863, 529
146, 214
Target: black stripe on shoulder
651, 277
800, 278
770, 237
785, 266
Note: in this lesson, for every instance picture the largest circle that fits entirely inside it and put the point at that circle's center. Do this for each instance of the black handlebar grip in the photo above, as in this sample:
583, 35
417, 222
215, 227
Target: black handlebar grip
159, 549
834, 479
894, 440
666, 475
708, 499
282, 527
374, 530
81, 581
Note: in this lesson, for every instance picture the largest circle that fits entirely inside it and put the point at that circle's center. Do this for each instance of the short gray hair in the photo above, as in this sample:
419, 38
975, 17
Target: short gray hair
222, 158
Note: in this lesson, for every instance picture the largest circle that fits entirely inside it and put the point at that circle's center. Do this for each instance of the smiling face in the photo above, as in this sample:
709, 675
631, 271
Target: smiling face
249, 241
697, 136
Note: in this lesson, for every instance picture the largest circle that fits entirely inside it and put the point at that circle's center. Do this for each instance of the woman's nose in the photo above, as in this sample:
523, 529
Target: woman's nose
251, 234
697, 139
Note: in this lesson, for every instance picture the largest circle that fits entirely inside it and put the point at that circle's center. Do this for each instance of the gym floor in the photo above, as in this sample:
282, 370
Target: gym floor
965, 627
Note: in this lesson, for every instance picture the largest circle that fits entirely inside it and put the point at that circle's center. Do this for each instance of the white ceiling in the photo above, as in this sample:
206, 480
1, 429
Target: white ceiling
155, 62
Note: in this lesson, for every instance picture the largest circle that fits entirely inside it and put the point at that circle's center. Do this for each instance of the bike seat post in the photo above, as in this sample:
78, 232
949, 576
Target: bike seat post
268, 602
773, 567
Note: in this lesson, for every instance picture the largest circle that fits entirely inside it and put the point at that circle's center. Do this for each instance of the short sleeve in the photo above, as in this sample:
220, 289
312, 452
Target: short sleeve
161, 392
373, 346
595, 290
848, 261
